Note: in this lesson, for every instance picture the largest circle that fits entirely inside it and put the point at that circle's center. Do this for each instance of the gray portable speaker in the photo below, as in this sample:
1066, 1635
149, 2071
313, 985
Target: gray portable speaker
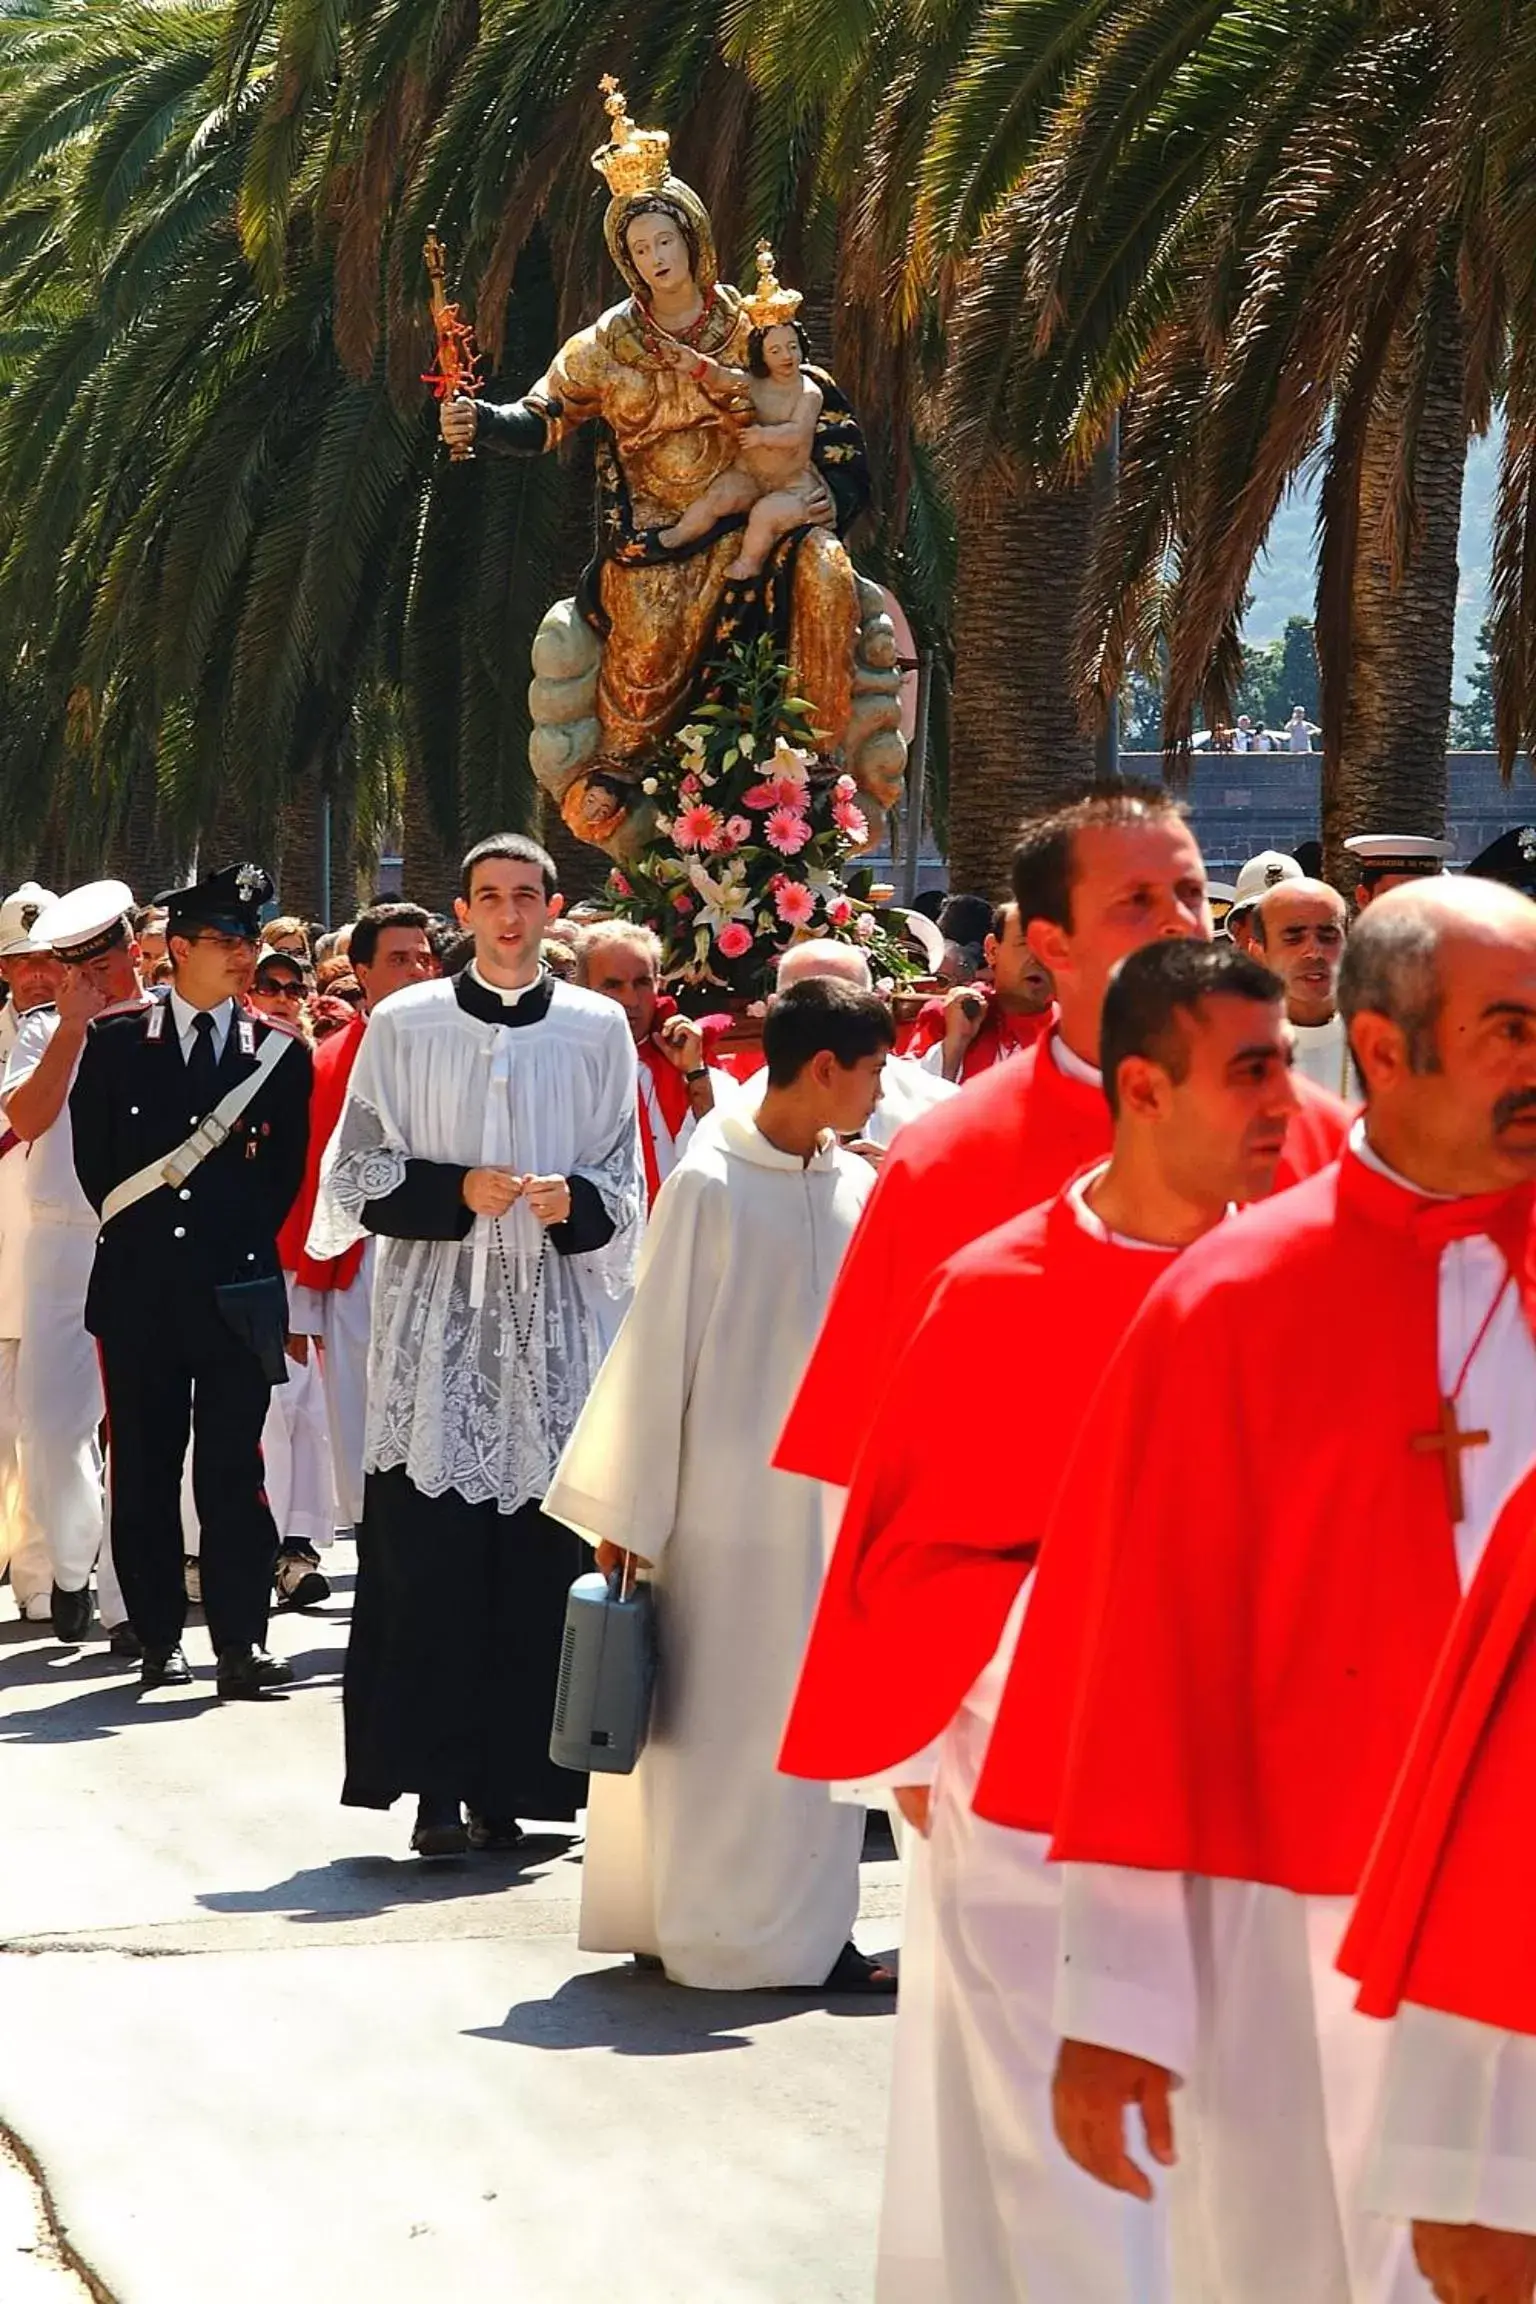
607, 1675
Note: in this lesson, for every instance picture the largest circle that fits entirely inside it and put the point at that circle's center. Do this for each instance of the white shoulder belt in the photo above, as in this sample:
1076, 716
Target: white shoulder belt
206, 1137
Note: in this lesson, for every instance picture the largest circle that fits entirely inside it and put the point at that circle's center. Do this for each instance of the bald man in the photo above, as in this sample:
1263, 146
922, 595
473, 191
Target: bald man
907, 1090
1219, 1675
1298, 930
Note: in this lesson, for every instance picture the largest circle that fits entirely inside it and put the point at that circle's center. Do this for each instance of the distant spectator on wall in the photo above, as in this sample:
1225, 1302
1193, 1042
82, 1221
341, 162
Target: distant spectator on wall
1299, 731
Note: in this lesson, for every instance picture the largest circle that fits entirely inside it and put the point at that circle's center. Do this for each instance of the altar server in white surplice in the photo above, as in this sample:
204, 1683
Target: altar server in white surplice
489, 1141
735, 1876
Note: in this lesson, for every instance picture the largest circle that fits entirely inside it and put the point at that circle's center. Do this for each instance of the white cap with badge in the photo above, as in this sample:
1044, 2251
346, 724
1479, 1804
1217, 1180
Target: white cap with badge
18, 920
88, 921
1261, 873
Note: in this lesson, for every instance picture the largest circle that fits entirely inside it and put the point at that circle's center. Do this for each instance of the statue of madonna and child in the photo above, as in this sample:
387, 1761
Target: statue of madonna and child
727, 470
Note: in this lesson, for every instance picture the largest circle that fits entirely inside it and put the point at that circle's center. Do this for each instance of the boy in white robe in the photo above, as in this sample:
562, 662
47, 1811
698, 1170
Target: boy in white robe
734, 1876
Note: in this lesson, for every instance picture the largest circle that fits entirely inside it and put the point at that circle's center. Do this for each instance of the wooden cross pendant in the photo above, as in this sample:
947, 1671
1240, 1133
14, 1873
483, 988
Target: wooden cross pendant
1448, 1443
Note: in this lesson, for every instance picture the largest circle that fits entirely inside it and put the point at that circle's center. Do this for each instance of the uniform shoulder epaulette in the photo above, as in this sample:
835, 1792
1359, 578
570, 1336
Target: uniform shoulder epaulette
134, 1007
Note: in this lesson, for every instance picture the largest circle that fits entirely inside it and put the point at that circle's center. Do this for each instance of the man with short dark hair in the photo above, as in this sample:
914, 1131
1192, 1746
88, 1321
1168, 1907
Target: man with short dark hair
1093, 881
488, 1140
329, 1296
1217, 1679
746, 1880
918, 1621
190, 1198
974, 1027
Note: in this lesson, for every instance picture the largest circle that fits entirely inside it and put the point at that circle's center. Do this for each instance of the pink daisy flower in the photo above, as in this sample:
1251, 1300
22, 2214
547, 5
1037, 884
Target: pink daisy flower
851, 820
787, 830
695, 827
777, 792
733, 941
795, 904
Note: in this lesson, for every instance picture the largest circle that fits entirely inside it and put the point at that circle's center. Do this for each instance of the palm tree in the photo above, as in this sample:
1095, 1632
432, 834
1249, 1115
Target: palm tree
1266, 234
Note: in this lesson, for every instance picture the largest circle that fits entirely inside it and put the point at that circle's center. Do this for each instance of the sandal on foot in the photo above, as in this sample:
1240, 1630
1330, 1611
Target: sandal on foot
853, 1971
495, 1835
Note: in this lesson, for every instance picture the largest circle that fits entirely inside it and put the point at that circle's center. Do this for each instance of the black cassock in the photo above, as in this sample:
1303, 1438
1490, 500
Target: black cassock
460, 1608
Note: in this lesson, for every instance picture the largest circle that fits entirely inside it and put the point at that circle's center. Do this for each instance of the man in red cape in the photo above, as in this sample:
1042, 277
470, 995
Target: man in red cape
1247, 1580
329, 1297
976, 1026
1096, 880
935, 1553
1444, 1938
622, 960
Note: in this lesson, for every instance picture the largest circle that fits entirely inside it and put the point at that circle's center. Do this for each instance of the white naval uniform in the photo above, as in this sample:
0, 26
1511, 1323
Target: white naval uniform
22, 1549
58, 1374
1234, 1985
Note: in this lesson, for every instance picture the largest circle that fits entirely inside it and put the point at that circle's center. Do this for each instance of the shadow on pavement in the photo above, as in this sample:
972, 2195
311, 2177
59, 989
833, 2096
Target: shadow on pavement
636, 2012
362, 1887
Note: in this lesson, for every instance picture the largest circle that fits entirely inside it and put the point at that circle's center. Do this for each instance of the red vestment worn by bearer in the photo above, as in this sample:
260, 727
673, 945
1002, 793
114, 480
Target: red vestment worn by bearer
1008, 1141
1446, 1915
999, 1037
936, 1541
1246, 1583
671, 1091
334, 1059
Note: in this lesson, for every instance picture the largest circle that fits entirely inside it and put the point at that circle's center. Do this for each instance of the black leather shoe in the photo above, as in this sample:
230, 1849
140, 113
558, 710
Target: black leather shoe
164, 1668
440, 1829
71, 1614
246, 1673
125, 1642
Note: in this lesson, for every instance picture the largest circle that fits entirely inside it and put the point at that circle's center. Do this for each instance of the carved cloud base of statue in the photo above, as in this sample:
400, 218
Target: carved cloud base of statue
566, 744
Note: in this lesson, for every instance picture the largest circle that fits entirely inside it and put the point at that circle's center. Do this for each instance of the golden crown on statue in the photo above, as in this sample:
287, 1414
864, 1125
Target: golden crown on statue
636, 159
772, 306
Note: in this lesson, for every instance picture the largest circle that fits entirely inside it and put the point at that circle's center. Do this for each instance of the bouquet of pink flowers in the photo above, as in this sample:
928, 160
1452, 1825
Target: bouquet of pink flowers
752, 833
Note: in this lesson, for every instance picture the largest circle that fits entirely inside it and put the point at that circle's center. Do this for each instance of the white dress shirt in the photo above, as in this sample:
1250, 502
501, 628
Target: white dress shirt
184, 1016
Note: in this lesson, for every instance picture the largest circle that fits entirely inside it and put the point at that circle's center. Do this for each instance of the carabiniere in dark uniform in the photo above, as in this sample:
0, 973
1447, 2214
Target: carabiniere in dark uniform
187, 1298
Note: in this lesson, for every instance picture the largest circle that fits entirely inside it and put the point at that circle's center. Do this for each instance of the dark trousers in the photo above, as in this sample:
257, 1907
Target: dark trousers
457, 1622
189, 1377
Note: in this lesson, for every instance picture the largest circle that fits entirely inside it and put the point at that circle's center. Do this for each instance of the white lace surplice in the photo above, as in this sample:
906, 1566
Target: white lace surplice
451, 1394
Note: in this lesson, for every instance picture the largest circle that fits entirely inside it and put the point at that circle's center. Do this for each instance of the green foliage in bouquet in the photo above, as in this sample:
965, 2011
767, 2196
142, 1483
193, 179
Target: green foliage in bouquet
752, 834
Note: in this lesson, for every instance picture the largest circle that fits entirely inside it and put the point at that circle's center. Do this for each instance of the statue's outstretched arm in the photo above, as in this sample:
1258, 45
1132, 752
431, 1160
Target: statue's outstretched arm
521, 428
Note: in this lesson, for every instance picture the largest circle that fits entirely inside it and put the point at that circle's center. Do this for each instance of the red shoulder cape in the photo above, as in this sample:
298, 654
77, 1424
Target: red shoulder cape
940, 1532
1009, 1140
671, 1095
334, 1059
999, 1038
1447, 1910
1248, 1576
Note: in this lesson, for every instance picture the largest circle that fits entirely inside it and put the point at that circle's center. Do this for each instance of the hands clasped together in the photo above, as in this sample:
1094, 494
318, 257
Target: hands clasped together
491, 1192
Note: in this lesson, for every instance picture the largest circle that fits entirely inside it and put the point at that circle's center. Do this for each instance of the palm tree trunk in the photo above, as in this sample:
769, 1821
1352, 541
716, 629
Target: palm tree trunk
429, 869
1390, 773
1018, 744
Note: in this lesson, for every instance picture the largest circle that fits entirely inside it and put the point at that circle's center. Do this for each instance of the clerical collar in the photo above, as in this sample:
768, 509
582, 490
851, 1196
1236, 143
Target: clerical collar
1368, 1156
489, 1004
510, 995
1073, 1067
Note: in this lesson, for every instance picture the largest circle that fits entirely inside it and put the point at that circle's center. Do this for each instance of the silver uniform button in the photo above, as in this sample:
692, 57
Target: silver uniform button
180, 1232
133, 1111
183, 1194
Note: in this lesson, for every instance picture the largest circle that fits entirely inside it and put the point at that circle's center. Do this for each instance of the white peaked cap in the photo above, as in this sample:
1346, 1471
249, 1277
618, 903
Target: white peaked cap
18, 918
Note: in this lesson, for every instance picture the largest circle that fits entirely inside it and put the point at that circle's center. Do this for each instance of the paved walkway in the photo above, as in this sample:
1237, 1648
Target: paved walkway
256, 2048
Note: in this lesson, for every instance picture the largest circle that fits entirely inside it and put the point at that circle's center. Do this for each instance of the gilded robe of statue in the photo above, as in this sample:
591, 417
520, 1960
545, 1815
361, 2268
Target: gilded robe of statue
616, 670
